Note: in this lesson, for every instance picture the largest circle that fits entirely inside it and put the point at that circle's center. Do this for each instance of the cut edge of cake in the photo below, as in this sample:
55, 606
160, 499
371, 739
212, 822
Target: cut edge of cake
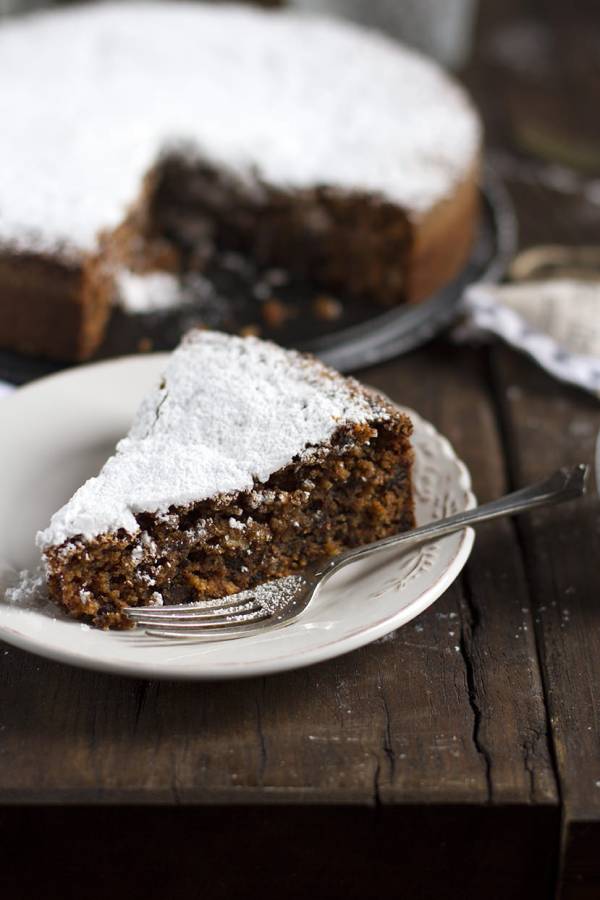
246, 463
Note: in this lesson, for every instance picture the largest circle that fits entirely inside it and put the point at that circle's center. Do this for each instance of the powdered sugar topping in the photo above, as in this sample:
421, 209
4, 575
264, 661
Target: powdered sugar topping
92, 96
229, 412
151, 292
29, 589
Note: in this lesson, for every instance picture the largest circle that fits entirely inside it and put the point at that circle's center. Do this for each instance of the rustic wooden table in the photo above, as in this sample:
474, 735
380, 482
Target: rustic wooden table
458, 758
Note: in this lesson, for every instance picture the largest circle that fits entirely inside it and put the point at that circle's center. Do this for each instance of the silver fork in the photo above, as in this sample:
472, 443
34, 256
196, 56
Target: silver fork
280, 602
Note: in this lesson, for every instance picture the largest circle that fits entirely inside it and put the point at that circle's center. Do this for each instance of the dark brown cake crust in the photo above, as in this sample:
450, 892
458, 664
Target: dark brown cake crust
356, 490
51, 306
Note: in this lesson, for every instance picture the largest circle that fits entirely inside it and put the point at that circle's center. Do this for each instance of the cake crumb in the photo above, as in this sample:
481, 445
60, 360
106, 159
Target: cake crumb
275, 313
327, 309
145, 345
250, 330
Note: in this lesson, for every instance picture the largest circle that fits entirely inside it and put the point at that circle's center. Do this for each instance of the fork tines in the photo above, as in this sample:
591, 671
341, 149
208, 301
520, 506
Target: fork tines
215, 617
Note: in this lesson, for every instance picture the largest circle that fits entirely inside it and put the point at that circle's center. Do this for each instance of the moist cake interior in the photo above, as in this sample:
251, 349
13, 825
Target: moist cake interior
361, 492
320, 245
244, 463
331, 254
348, 242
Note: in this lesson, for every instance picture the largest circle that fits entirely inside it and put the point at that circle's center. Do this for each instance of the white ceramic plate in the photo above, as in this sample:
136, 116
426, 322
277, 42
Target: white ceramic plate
57, 432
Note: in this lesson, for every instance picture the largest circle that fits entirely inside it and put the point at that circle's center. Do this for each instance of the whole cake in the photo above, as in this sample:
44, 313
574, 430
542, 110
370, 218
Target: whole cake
140, 138
243, 464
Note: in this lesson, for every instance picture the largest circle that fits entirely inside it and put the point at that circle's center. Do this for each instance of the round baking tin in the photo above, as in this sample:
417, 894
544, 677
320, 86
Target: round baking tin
385, 334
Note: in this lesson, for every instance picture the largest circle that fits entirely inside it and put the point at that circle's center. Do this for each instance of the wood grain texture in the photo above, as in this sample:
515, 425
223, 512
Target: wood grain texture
546, 427
492, 629
541, 99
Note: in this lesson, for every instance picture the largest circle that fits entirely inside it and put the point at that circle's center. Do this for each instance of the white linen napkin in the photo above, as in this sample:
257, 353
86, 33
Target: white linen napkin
556, 322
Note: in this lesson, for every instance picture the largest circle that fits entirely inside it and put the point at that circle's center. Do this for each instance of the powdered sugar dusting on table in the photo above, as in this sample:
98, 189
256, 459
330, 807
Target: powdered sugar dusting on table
90, 98
229, 412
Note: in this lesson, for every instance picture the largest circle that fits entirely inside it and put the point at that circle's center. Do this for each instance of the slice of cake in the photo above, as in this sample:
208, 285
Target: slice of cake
181, 131
244, 463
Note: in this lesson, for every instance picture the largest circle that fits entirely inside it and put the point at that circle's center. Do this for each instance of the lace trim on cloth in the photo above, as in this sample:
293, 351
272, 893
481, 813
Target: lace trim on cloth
555, 322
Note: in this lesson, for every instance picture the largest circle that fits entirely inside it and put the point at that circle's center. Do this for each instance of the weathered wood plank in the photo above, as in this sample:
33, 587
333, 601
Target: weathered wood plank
493, 626
447, 711
548, 425
550, 88
314, 736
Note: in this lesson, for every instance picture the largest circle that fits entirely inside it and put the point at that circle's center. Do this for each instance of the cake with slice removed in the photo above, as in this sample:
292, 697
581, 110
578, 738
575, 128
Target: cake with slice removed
243, 464
146, 139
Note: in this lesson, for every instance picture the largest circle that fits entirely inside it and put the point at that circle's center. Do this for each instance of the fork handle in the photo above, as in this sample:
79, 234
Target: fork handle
565, 484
